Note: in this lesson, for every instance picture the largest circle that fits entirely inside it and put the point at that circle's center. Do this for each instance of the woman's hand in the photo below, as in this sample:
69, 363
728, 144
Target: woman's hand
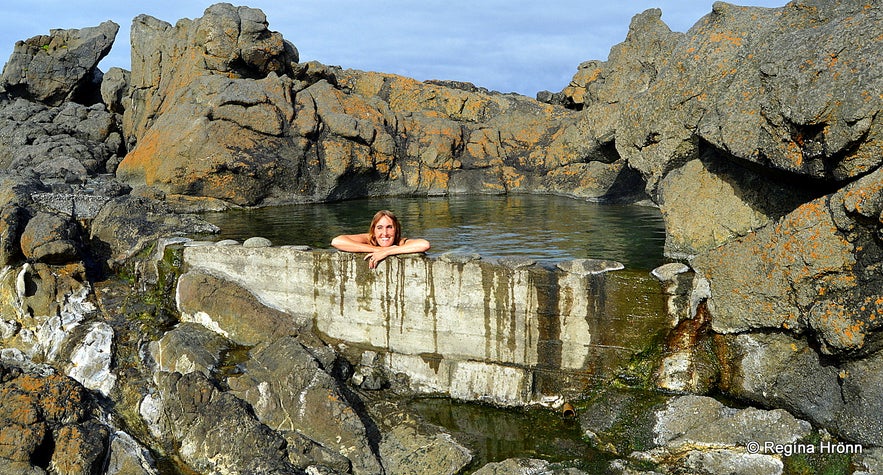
378, 255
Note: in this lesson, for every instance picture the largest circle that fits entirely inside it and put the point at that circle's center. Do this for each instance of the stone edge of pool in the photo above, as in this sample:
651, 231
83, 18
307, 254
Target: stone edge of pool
504, 331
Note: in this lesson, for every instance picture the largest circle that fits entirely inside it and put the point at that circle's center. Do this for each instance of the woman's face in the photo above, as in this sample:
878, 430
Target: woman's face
384, 232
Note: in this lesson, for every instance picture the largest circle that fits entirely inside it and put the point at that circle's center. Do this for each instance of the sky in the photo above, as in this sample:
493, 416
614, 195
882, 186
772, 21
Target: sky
522, 46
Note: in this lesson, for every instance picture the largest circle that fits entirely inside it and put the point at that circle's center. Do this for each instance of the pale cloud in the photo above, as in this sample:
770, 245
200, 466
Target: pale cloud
509, 46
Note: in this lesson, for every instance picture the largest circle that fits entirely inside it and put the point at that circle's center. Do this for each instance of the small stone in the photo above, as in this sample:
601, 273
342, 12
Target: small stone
257, 242
668, 271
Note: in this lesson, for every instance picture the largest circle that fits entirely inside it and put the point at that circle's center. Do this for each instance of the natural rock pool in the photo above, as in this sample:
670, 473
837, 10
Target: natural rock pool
548, 229
541, 227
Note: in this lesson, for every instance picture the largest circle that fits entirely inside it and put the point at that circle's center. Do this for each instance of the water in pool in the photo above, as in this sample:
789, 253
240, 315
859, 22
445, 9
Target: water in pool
545, 228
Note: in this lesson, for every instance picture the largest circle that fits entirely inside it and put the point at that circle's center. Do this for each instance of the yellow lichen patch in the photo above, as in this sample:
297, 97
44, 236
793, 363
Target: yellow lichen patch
839, 327
140, 161
731, 38
512, 177
434, 179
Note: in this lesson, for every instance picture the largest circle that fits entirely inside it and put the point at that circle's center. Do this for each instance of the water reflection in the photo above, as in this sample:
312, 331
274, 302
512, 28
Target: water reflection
545, 228
497, 434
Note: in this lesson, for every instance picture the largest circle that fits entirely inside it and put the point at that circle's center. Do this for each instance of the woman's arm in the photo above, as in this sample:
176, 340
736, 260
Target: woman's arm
353, 243
360, 243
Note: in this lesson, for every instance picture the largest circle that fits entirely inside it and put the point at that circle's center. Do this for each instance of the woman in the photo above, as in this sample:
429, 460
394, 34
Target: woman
383, 239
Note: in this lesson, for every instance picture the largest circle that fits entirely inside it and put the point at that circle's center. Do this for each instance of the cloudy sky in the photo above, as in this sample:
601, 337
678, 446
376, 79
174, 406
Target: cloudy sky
504, 45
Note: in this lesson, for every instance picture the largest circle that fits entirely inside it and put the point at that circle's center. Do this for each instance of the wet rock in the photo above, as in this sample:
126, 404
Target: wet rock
126, 225
409, 445
584, 267
189, 347
216, 432
290, 392
50, 238
231, 310
618, 420
525, 467
688, 363
62, 66
677, 283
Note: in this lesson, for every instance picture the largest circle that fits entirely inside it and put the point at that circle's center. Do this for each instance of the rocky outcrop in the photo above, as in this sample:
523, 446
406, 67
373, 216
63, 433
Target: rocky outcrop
699, 435
271, 130
216, 431
129, 223
219, 304
756, 133
60, 67
51, 424
750, 103
784, 371
57, 158
290, 391
63, 145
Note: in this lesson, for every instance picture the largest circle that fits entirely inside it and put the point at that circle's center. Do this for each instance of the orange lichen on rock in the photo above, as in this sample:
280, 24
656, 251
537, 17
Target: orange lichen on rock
141, 161
729, 37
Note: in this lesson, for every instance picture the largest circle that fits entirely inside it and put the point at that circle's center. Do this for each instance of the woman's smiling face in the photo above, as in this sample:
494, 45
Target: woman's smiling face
384, 232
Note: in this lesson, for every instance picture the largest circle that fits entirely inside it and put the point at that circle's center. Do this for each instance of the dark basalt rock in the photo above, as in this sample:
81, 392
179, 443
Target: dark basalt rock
60, 67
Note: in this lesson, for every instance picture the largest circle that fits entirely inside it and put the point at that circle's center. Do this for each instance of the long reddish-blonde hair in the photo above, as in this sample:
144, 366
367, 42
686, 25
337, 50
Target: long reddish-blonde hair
397, 237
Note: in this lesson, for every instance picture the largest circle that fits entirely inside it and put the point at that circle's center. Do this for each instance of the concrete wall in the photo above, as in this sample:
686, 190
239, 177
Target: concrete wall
507, 332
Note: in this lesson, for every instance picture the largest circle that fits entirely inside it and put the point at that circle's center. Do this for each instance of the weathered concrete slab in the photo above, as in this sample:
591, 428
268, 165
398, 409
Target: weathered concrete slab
508, 333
